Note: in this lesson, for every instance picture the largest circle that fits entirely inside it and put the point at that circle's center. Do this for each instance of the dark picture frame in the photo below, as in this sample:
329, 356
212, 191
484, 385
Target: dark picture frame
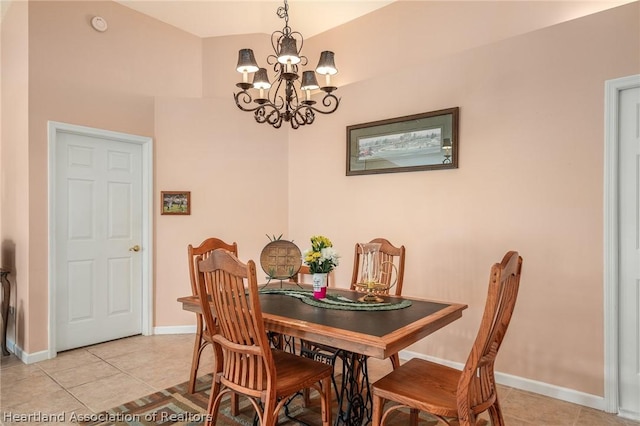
175, 202
427, 141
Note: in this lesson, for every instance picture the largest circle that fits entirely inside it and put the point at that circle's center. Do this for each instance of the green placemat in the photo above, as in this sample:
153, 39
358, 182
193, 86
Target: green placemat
332, 301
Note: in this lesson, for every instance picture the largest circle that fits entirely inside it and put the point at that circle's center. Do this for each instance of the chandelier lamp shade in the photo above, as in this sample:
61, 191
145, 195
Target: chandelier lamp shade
287, 97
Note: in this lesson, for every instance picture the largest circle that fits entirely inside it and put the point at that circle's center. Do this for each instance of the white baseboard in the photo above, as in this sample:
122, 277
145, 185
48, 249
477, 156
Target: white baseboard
541, 388
26, 357
175, 329
631, 415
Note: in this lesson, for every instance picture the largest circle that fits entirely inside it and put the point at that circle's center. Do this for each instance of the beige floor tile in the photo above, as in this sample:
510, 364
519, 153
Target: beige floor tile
591, 417
513, 421
28, 390
17, 372
130, 363
55, 403
9, 361
174, 343
68, 359
84, 373
533, 408
206, 360
503, 392
115, 348
163, 375
110, 391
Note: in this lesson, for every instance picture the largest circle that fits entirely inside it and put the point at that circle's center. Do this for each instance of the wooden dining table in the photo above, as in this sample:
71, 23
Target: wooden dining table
358, 333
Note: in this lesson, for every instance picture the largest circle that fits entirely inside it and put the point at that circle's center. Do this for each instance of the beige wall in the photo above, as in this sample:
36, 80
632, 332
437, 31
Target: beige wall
237, 175
105, 80
14, 161
530, 175
530, 179
141, 77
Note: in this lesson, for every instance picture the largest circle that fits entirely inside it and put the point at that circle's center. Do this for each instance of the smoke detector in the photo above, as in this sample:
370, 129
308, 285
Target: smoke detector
99, 23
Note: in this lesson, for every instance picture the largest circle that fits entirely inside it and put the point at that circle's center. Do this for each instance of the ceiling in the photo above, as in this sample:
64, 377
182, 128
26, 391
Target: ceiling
211, 18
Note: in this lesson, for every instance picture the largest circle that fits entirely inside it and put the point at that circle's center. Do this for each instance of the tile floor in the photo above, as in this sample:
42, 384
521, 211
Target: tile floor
102, 376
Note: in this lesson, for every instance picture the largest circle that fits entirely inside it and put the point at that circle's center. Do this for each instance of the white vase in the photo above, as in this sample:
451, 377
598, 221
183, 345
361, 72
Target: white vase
320, 285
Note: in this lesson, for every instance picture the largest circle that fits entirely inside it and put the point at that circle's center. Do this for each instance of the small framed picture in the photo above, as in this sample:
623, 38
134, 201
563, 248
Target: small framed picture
175, 202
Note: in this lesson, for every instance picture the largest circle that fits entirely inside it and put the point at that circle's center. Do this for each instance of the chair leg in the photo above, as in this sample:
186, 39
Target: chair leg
306, 398
326, 401
235, 404
414, 416
197, 351
269, 415
495, 414
395, 360
214, 404
378, 405
469, 420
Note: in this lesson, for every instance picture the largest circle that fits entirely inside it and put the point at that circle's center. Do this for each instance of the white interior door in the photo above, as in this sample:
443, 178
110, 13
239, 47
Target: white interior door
629, 298
98, 222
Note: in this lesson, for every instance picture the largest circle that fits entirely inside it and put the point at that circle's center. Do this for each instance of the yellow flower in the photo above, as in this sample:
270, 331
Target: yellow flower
321, 257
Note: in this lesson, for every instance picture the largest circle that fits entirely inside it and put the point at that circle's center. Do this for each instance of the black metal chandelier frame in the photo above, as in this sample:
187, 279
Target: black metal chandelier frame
283, 101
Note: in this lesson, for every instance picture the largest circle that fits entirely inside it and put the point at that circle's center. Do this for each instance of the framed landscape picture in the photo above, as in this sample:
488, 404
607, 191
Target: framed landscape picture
175, 202
427, 141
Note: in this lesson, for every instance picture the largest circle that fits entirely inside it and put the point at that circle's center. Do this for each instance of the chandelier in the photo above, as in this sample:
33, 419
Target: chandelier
281, 100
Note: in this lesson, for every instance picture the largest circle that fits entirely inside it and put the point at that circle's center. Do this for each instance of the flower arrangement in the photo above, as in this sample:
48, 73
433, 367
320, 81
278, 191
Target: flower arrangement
321, 257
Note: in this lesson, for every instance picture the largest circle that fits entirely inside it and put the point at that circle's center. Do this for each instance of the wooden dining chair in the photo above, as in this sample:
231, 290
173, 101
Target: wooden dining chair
445, 392
245, 363
302, 276
389, 254
203, 337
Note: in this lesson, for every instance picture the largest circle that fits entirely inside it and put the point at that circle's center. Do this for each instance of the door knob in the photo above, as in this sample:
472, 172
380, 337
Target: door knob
134, 248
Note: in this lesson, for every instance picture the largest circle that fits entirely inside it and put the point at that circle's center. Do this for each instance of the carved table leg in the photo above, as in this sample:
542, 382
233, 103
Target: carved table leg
6, 297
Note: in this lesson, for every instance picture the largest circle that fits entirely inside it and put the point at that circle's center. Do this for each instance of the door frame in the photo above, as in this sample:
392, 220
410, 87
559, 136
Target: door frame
611, 237
146, 143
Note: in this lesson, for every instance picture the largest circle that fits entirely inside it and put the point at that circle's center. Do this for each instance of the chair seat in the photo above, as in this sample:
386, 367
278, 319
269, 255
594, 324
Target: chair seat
295, 372
422, 384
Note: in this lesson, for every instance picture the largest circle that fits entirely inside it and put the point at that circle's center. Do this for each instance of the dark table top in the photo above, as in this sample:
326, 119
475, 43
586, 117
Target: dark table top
375, 323
373, 333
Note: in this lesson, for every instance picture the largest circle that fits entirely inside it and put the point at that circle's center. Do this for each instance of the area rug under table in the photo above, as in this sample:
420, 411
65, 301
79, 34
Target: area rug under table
175, 406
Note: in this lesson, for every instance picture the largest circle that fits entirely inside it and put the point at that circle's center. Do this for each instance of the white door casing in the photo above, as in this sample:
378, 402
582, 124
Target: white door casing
621, 246
629, 298
100, 202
